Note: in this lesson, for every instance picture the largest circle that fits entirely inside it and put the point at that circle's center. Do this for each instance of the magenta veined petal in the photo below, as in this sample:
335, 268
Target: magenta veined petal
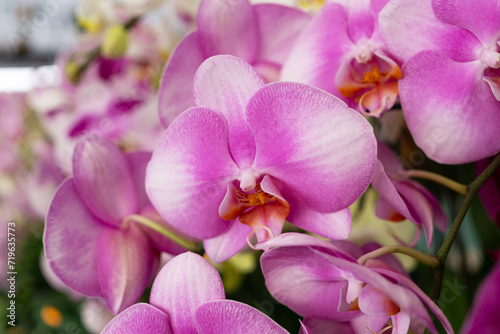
450, 111
406, 297
333, 226
322, 150
232, 317
140, 318
70, 241
225, 84
103, 179
325, 326
226, 245
126, 265
374, 323
415, 309
418, 206
409, 27
138, 162
176, 90
480, 17
184, 284
187, 176
483, 317
228, 27
390, 202
375, 302
305, 282
279, 28
338, 248
318, 52
400, 323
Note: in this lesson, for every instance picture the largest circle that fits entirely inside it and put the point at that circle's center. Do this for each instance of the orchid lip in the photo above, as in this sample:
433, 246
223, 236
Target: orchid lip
263, 208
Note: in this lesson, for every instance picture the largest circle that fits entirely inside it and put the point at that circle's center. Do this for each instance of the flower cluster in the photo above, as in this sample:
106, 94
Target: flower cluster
265, 134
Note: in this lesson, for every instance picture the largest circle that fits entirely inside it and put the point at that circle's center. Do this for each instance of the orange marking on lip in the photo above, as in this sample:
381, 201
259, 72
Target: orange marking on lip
396, 217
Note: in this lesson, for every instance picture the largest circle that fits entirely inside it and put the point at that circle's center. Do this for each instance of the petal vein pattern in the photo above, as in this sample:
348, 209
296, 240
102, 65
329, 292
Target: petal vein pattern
309, 140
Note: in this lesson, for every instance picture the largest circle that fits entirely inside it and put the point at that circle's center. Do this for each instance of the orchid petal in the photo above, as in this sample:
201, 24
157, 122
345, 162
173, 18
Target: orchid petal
315, 284
279, 27
228, 27
319, 51
226, 245
406, 299
314, 150
419, 207
440, 100
225, 84
415, 309
360, 23
384, 209
494, 83
326, 326
104, 180
139, 318
232, 317
483, 317
400, 323
176, 91
187, 176
304, 329
409, 27
333, 226
184, 284
70, 240
125, 266
480, 17
375, 302
389, 160
438, 216
389, 196
369, 323
138, 162
301, 239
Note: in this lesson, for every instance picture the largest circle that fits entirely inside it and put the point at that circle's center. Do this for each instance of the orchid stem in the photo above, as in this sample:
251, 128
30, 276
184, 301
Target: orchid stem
423, 174
424, 258
162, 230
442, 253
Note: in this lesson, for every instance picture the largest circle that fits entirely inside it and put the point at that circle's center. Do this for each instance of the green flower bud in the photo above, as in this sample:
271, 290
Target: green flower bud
115, 42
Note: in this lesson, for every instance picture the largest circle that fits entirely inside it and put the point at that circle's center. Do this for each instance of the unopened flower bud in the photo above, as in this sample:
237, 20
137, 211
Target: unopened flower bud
115, 42
73, 71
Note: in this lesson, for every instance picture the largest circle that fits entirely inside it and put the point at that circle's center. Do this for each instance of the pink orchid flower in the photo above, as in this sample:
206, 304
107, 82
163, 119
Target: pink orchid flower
342, 52
250, 155
333, 291
450, 91
91, 241
483, 317
188, 297
402, 198
261, 34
